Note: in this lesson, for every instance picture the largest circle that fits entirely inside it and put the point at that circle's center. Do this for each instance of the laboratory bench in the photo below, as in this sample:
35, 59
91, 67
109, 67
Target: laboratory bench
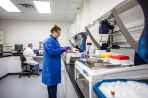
83, 76
11, 64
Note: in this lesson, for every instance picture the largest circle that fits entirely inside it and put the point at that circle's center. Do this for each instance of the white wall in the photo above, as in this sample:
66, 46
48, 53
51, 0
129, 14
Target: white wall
90, 11
23, 32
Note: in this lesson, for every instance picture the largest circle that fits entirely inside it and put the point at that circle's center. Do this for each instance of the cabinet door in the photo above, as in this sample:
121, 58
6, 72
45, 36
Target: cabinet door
64, 80
70, 90
3, 66
1, 37
17, 66
14, 64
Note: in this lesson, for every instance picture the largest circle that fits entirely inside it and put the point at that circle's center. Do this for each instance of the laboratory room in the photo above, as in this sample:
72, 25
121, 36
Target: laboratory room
73, 49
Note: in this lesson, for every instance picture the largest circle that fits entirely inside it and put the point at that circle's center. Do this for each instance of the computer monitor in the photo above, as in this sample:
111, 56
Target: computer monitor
19, 47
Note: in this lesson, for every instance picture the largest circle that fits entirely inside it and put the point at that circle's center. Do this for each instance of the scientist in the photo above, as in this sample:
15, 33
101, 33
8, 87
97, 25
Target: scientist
51, 71
29, 54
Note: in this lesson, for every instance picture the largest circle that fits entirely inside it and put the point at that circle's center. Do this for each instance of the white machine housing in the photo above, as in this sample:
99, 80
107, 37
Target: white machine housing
71, 56
93, 76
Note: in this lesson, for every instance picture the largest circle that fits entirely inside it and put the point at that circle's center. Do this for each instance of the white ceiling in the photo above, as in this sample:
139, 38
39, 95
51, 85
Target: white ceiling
61, 10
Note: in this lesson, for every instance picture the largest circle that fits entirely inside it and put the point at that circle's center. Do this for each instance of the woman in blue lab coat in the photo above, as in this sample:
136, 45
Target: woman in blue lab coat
51, 71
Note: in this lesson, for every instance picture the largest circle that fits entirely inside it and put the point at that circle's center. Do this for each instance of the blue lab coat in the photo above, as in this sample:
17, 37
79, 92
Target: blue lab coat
51, 71
81, 47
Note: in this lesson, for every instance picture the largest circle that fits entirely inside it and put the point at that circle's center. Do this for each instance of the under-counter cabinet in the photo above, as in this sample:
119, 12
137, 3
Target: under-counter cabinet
69, 89
3, 66
11, 64
14, 64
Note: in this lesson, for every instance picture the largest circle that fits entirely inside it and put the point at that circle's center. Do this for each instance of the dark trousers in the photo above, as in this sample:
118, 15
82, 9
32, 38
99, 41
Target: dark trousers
52, 91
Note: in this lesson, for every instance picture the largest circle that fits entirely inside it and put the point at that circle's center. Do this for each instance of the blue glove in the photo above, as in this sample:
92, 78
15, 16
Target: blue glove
65, 48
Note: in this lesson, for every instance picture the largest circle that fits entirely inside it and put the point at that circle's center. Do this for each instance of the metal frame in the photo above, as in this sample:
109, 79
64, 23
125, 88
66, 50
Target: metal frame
92, 38
124, 31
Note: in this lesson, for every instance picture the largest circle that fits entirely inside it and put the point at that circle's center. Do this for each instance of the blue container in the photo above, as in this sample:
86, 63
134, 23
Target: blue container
100, 94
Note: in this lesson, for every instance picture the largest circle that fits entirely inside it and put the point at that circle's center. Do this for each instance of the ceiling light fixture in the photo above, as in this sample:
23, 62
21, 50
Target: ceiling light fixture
8, 6
42, 6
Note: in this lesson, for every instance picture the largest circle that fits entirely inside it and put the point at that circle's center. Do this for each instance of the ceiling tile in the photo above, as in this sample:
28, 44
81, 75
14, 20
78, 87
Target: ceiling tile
61, 10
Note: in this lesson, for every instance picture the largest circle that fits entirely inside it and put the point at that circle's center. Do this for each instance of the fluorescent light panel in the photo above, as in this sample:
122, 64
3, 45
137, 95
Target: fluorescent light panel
8, 6
42, 6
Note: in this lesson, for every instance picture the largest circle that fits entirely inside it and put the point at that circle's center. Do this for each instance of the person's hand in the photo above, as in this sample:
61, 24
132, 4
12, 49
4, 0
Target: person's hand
65, 48
69, 48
